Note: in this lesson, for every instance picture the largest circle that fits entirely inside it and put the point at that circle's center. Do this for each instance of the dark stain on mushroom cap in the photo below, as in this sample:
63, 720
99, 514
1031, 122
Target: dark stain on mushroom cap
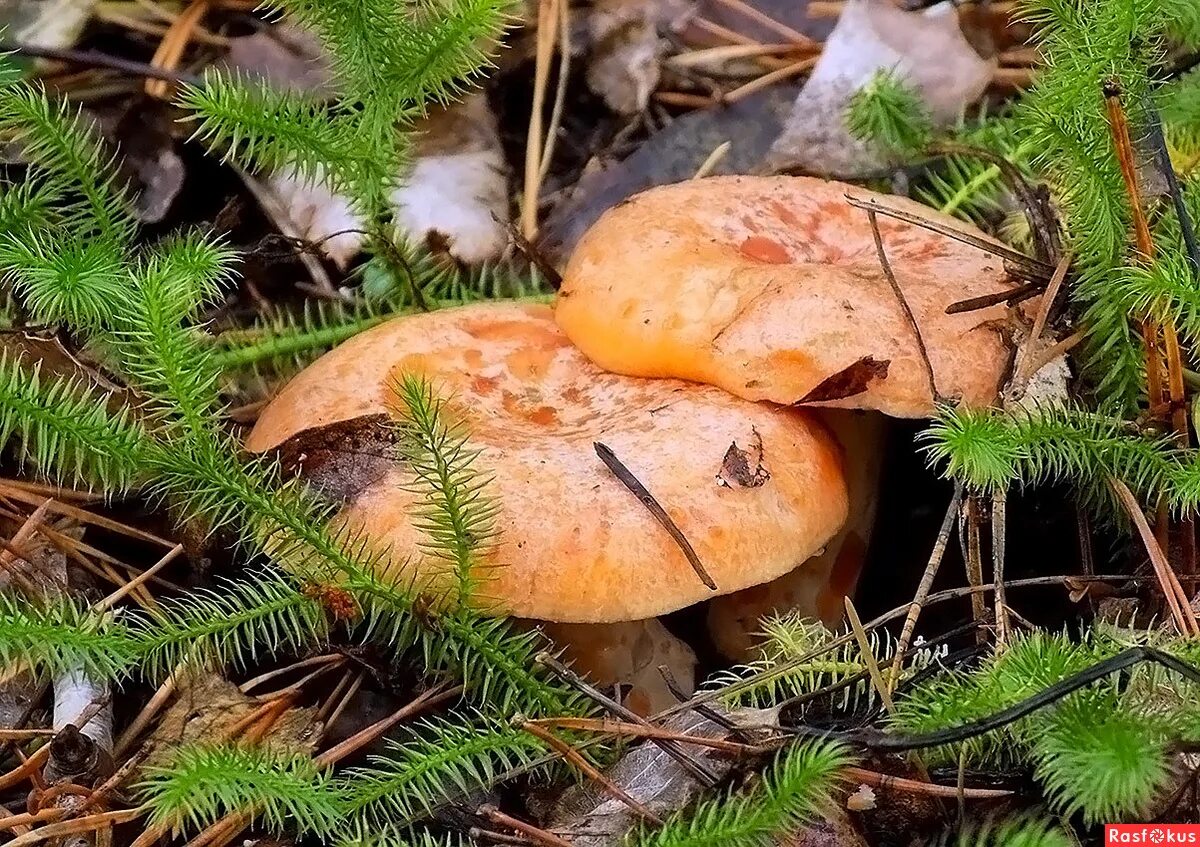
341, 460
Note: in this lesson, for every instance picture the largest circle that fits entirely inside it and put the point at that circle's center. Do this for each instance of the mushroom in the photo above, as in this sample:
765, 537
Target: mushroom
818, 587
773, 289
574, 544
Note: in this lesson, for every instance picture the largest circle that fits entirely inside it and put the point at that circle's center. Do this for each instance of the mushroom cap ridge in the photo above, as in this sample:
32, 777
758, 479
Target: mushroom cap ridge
573, 544
772, 288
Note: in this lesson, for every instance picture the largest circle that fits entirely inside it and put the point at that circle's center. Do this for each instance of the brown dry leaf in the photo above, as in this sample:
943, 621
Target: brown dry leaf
926, 49
45, 23
624, 64
285, 57
589, 817
208, 706
342, 459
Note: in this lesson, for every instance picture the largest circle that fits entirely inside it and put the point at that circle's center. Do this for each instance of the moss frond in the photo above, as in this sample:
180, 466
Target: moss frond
445, 47
1098, 758
795, 789
890, 113
60, 635
1009, 832
285, 792
234, 623
66, 432
443, 759
272, 130
282, 340
454, 512
776, 676
989, 451
69, 157
62, 278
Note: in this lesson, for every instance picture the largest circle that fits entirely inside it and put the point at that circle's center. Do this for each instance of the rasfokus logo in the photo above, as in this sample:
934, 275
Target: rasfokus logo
1152, 833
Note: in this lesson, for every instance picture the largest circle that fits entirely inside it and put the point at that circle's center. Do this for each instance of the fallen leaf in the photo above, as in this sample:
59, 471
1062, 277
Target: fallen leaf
926, 49
207, 707
343, 459
852, 380
589, 817
456, 194
45, 23
736, 467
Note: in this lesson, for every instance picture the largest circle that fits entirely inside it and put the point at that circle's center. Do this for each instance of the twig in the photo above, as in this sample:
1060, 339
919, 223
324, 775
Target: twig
765, 20
974, 560
1033, 267
713, 159
631, 482
1020, 375
475, 833
88, 823
368, 734
547, 14
540, 836
1119, 125
868, 656
1060, 348
769, 79
250, 684
578, 760
274, 209
1037, 207
1011, 297
722, 32
925, 584
84, 516
1177, 600
560, 90
94, 59
912, 786
170, 49
148, 712
999, 503
654, 733
689, 762
934, 396
333, 698
725, 53
112, 599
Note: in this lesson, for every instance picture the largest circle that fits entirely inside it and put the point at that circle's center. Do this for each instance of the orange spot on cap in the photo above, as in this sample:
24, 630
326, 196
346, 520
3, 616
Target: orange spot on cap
763, 249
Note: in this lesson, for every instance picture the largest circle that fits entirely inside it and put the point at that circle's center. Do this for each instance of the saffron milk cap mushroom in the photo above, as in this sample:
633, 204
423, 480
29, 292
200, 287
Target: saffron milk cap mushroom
751, 489
772, 288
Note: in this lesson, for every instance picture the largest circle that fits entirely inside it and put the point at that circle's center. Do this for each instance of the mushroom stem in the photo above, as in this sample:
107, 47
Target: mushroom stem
627, 654
814, 589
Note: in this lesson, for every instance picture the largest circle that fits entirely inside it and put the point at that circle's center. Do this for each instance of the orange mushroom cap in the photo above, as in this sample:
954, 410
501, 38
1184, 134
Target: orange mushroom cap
772, 288
755, 489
